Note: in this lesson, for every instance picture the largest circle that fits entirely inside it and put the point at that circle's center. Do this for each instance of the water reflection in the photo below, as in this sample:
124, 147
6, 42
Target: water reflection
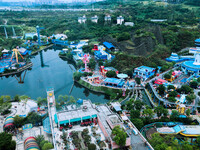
58, 74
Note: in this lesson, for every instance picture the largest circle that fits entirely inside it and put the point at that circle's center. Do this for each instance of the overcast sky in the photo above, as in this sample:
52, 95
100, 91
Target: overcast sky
17, 0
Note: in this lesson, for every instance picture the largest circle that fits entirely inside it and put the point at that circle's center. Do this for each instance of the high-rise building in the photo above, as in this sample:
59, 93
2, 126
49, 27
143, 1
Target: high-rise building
44, 2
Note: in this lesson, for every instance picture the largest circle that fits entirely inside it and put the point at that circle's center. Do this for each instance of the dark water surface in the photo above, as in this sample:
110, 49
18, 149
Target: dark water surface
48, 71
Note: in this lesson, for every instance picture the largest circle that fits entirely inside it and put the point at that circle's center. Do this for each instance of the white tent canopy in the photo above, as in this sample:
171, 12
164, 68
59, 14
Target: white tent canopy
5, 51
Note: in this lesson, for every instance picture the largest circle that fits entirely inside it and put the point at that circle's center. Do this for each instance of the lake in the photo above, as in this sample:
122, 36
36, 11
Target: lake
48, 71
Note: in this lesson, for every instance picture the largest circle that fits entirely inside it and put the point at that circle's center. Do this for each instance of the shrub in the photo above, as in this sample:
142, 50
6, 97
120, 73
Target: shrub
77, 76
123, 36
111, 74
91, 146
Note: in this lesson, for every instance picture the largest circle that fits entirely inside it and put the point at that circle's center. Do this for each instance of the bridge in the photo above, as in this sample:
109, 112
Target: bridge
60, 42
52, 111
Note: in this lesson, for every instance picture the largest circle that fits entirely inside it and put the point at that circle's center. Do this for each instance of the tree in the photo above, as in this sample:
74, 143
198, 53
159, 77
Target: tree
72, 100
41, 101
43, 142
138, 80
198, 79
170, 87
186, 146
172, 99
92, 64
87, 48
198, 140
111, 74
100, 62
18, 121
6, 142
16, 98
190, 98
165, 113
188, 112
91, 146
173, 94
199, 93
39, 139
158, 142
33, 118
123, 36
174, 115
159, 110
35, 38
135, 114
12, 43
77, 76
129, 105
148, 113
24, 98
167, 76
119, 136
29, 38
63, 98
138, 123
185, 89
138, 104
47, 146
161, 88
194, 84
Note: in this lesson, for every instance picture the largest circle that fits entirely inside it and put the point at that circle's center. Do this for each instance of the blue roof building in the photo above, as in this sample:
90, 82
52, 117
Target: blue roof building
144, 72
99, 55
108, 45
114, 82
197, 42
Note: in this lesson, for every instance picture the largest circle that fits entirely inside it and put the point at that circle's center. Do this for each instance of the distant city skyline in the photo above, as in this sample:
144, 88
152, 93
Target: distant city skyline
43, 0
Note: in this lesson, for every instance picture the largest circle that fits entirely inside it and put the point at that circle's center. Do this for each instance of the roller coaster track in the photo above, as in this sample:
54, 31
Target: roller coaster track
164, 100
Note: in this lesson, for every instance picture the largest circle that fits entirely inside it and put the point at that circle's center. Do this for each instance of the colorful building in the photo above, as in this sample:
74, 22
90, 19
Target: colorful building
9, 123
104, 70
31, 144
144, 72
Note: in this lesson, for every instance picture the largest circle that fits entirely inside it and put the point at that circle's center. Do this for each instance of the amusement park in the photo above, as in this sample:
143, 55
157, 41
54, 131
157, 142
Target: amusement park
100, 79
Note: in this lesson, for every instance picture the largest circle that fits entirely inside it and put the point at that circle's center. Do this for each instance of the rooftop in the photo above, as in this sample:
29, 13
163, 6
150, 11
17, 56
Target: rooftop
76, 113
114, 119
145, 68
113, 80
108, 45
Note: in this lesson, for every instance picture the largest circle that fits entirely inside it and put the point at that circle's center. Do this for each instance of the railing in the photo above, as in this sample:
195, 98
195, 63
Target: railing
18, 70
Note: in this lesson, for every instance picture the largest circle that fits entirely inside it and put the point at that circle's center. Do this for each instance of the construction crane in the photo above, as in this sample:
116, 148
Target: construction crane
15, 53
